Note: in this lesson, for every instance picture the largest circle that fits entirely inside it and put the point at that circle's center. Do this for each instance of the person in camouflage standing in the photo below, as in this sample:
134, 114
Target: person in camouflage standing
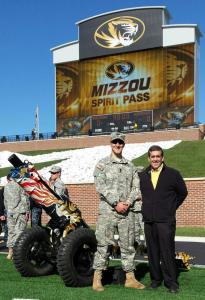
57, 184
140, 244
139, 225
117, 183
17, 205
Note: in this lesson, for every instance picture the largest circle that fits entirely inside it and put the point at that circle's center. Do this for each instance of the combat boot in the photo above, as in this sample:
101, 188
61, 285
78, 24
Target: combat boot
10, 254
97, 281
131, 281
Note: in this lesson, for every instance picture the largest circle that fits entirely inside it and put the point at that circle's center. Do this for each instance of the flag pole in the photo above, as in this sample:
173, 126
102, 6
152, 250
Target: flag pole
37, 122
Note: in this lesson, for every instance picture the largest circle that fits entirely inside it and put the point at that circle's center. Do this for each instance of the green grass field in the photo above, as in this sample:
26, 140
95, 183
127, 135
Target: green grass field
188, 157
39, 152
183, 231
190, 231
12, 285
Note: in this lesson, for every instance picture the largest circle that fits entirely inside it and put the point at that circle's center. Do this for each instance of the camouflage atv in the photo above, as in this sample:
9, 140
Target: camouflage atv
66, 243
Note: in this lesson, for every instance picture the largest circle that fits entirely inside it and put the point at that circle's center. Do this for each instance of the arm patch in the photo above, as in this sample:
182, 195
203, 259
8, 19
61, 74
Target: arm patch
100, 166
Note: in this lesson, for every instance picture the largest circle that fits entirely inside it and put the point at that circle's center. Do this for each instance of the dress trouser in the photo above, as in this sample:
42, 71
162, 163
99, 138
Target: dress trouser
36, 213
161, 248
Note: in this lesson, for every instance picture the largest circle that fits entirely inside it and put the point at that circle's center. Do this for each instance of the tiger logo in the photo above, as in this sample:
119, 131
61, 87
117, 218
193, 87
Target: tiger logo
119, 32
119, 70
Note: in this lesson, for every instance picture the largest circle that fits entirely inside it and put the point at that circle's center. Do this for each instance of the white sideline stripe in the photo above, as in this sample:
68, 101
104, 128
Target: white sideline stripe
178, 238
197, 266
23, 299
197, 239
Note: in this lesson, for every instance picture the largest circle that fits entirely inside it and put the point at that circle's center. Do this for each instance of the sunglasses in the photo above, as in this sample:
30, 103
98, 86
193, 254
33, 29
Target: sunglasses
117, 141
54, 172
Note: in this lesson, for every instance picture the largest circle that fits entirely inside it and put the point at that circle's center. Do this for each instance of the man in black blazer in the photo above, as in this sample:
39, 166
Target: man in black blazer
163, 191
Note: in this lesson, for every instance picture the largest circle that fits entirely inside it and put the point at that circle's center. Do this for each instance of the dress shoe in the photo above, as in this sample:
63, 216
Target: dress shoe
154, 285
173, 290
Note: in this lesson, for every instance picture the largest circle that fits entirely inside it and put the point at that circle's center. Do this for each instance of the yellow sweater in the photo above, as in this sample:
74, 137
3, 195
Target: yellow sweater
155, 176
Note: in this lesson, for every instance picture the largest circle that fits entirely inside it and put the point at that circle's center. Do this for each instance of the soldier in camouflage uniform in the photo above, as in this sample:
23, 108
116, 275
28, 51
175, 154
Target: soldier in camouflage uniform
140, 242
138, 221
139, 224
57, 184
17, 205
117, 183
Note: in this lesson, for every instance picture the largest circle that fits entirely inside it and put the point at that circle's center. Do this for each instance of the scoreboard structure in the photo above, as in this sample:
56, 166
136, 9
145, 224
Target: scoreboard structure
128, 67
122, 121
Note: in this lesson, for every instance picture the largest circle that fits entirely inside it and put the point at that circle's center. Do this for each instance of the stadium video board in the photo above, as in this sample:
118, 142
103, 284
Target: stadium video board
159, 80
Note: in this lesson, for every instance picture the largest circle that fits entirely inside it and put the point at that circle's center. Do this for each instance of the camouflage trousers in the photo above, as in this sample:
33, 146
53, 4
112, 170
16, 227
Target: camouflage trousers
16, 224
109, 226
139, 228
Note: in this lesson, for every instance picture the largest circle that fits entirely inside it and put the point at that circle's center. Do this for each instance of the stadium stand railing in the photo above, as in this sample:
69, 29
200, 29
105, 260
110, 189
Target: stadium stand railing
54, 135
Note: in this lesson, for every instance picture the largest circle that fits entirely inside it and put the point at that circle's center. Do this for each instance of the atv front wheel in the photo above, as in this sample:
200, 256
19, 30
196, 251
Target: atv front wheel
75, 257
30, 253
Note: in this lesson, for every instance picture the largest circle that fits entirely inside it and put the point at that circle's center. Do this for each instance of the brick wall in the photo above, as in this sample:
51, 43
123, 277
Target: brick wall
191, 213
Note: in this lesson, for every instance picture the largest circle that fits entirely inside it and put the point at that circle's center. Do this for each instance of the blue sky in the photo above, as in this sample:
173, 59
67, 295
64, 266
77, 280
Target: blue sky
30, 28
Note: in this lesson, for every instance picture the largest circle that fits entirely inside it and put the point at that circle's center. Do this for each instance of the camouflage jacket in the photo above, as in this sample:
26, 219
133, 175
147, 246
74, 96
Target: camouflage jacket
137, 206
116, 181
15, 198
59, 187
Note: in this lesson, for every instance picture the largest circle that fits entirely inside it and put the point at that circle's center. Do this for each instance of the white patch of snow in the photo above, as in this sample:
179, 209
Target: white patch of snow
79, 164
